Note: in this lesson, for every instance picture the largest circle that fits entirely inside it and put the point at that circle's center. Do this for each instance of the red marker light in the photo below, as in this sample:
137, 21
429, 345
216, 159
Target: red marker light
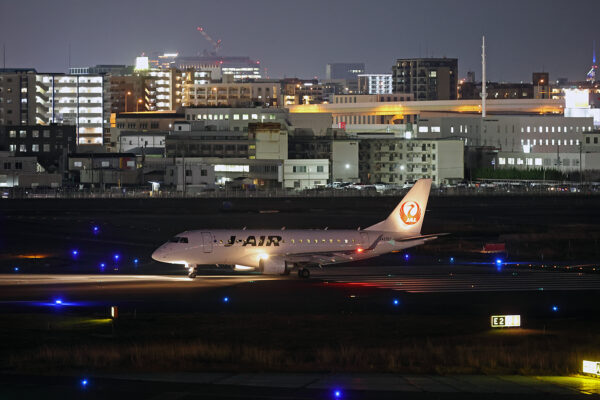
359, 250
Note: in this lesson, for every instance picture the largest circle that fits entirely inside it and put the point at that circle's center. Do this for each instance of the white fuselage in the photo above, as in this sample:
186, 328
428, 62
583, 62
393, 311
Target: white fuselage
248, 247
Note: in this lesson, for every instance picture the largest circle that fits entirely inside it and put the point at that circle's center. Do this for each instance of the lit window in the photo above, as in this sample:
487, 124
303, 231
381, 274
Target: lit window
35, 147
245, 117
236, 117
77, 164
254, 116
511, 161
501, 161
538, 161
530, 161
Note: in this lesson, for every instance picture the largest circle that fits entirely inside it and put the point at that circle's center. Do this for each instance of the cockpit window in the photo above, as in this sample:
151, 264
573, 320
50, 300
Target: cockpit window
178, 239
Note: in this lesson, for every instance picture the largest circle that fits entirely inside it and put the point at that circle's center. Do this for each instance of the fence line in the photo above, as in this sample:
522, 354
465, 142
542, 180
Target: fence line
144, 193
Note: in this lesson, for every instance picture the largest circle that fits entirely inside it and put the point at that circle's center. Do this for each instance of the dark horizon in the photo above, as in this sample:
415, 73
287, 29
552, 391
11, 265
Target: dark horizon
299, 39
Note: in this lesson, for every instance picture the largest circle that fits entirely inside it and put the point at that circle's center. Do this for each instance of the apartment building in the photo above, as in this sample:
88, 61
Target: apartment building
394, 160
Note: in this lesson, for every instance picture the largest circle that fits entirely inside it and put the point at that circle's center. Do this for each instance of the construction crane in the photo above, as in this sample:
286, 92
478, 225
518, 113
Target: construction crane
215, 43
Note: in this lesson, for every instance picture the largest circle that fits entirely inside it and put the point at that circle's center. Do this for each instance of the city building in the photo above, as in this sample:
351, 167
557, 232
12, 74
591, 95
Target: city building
346, 71
338, 148
189, 176
162, 90
48, 144
142, 143
231, 94
426, 78
394, 160
125, 93
375, 83
305, 174
260, 141
371, 98
409, 111
495, 90
240, 68
105, 169
233, 173
25, 172
301, 91
17, 93
102, 69
74, 100
44, 99
520, 141
237, 119
541, 85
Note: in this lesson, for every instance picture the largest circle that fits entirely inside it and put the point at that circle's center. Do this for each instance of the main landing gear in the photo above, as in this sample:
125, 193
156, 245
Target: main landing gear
192, 271
303, 273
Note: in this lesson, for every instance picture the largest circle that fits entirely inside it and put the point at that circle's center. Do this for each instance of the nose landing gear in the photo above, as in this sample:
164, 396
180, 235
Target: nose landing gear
192, 271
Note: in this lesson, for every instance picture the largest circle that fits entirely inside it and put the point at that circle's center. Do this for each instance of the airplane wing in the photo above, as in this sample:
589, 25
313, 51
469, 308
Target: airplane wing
420, 237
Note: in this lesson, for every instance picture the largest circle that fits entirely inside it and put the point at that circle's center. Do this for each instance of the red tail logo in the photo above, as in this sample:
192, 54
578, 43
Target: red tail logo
410, 212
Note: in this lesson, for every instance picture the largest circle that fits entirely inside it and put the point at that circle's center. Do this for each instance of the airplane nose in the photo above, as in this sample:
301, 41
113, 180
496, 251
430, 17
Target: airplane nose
159, 254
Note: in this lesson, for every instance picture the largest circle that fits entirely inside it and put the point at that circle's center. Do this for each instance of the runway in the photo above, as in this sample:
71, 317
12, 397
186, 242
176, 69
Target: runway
446, 279
410, 279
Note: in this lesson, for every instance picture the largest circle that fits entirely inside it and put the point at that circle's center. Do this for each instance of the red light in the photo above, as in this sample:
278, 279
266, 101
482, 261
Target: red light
359, 250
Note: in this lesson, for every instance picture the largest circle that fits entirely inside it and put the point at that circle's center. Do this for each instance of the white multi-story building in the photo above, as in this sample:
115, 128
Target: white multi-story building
73, 100
375, 83
305, 174
521, 141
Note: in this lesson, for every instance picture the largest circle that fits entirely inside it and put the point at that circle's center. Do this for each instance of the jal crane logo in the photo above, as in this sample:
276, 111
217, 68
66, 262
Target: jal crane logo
410, 212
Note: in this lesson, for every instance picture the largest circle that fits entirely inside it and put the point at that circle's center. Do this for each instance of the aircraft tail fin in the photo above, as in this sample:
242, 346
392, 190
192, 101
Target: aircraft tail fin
408, 215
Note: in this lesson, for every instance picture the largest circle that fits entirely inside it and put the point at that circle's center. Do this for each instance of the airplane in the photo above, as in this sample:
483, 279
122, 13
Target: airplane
277, 252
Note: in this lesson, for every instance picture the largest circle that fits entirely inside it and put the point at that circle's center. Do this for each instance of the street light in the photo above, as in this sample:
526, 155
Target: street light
138, 105
126, 97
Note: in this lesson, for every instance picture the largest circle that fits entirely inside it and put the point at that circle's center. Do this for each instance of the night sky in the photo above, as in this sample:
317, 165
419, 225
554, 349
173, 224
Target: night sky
297, 38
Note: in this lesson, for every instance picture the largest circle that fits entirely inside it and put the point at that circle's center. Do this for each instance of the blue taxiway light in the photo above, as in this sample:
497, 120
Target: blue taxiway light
135, 260
95, 229
337, 394
498, 261
84, 382
452, 259
16, 269
75, 253
406, 257
58, 302
554, 308
226, 299
116, 257
396, 302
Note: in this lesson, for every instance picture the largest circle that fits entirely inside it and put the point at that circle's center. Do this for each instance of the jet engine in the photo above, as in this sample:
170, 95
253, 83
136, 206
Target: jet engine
272, 266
